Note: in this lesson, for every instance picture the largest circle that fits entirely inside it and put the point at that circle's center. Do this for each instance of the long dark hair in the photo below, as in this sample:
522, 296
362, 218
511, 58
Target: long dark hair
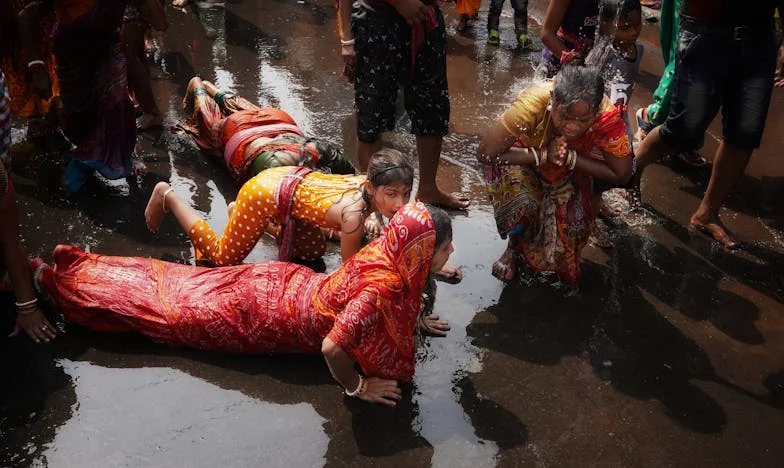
388, 166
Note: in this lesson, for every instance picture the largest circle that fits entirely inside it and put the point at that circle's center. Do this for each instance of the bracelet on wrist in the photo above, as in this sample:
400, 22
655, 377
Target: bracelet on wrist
573, 155
357, 391
536, 155
31, 302
31, 63
347, 43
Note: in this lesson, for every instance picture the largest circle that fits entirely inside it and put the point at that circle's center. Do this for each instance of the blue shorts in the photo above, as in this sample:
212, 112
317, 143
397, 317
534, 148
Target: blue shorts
715, 71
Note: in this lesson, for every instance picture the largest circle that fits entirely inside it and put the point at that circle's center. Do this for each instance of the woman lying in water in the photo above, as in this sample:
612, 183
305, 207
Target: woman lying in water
250, 138
364, 314
540, 159
301, 201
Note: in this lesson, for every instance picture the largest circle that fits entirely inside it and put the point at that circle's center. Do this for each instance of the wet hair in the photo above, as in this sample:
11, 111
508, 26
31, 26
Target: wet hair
443, 224
574, 84
388, 166
613, 10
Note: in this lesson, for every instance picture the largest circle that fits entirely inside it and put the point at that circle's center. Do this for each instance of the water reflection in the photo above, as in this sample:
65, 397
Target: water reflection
162, 417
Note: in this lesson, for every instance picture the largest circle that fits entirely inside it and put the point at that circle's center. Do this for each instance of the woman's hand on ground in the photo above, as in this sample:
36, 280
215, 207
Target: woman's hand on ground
413, 11
557, 151
450, 274
36, 326
386, 392
431, 325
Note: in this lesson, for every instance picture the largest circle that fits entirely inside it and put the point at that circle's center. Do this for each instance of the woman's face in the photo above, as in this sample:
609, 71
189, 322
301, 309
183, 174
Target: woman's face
441, 255
390, 198
573, 120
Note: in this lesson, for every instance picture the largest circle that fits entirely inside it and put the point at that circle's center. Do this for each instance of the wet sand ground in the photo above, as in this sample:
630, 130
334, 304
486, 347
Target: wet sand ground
670, 354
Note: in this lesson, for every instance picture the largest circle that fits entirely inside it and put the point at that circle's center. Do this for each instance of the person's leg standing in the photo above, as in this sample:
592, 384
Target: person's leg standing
521, 23
427, 104
698, 86
745, 109
493, 20
381, 61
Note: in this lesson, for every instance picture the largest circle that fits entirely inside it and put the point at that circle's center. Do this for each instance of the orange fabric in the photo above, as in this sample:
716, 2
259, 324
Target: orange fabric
468, 7
369, 306
377, 326
25, 102
255, 207
243, 120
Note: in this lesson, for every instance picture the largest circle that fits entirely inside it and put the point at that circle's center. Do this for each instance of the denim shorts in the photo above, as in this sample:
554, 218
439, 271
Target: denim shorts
715, 71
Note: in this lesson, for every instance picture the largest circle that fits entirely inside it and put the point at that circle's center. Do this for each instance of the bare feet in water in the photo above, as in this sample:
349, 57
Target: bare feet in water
714, 228
505, 268
156, 210
450, 201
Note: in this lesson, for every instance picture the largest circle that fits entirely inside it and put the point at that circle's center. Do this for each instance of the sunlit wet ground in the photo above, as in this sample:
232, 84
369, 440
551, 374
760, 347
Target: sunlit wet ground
670, 353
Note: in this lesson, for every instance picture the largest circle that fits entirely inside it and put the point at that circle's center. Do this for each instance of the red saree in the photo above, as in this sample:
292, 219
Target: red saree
368, 307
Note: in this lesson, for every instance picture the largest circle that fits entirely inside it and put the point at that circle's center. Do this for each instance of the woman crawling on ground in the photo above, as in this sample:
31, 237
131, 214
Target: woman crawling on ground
301, 202
363, 316
250, 138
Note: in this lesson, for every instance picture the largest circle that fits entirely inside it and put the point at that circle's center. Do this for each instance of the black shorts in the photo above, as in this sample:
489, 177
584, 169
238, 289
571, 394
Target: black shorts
383, 47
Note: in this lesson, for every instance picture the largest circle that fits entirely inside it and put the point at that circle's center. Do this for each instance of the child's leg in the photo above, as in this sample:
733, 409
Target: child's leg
254, 205
520, 16
494, 14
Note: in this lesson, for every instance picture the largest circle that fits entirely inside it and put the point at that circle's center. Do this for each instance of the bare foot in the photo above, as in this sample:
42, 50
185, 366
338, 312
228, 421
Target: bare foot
374, 226
450, 201
156, 210
505, 268
713, 227
449, 274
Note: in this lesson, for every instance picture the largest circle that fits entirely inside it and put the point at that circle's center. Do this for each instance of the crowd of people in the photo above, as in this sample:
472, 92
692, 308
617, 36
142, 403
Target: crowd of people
547, 159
